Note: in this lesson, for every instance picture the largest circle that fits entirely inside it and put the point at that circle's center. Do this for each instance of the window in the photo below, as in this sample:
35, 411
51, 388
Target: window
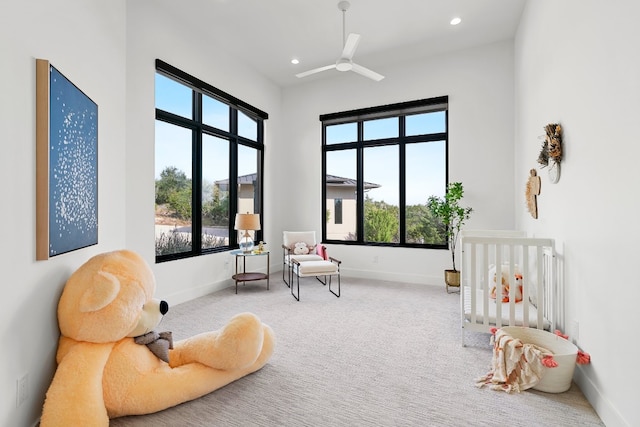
380, 165
205, 140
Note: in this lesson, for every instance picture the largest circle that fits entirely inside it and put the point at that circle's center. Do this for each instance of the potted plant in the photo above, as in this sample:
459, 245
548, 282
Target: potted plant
452, 216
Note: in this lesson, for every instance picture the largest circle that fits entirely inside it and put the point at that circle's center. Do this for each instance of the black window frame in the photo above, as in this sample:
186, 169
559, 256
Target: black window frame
359, 116
198, 129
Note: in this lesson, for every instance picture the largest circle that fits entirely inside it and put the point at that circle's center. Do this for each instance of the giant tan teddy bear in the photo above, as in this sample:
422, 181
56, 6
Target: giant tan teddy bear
110, 361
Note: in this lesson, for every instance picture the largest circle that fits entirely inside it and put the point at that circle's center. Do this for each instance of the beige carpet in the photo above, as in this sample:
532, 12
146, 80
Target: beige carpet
383, 354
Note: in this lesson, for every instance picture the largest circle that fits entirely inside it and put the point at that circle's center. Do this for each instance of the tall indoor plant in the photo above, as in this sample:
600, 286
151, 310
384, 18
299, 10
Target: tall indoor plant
453, 217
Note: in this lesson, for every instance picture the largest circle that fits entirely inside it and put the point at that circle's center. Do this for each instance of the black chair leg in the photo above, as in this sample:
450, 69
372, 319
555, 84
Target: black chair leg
338, 294
297, 297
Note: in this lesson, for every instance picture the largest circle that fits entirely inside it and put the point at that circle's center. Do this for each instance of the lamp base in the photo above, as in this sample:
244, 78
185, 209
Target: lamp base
246, 244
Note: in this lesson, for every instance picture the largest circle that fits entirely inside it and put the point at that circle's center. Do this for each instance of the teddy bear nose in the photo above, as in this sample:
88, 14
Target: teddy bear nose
164, 307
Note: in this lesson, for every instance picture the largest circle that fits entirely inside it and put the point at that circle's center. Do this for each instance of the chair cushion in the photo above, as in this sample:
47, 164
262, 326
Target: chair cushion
317, 268
302, 258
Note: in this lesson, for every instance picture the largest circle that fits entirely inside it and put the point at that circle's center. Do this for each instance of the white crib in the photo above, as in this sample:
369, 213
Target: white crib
485, 255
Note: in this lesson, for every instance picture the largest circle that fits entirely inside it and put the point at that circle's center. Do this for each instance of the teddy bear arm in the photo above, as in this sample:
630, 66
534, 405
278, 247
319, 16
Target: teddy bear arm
234, 346
75, 396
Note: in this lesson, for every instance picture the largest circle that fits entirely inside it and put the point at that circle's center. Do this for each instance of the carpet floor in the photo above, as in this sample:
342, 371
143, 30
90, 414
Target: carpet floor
383, 354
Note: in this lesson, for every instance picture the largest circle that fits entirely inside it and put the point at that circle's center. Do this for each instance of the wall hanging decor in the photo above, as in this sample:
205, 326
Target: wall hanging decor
66, 165
551, 151
531, 193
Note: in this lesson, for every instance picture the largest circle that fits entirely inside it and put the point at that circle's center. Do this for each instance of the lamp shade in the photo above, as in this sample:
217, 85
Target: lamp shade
247, 222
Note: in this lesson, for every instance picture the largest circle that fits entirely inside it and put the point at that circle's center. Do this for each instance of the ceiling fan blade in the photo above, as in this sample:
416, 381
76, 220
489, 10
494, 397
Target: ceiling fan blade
366, 72
350, 45
315, 70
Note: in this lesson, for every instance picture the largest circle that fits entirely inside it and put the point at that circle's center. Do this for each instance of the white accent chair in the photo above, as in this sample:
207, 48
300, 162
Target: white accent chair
314, 264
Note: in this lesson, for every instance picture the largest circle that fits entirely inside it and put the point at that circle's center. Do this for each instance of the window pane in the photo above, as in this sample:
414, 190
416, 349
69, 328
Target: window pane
420, 124
173, 97
337, 210
381, 212
425, 176
248, 184
341, 184
381, 128
347, 132
247, 126
215, 113
173, 189
215, 192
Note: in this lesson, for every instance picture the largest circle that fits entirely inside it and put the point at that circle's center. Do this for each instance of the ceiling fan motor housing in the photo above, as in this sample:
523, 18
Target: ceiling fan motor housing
343, 64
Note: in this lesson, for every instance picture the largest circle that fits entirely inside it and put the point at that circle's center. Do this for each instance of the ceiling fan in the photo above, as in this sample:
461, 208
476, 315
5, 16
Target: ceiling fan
345, 63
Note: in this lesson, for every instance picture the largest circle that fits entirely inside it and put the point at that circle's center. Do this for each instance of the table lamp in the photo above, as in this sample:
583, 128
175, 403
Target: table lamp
247, 222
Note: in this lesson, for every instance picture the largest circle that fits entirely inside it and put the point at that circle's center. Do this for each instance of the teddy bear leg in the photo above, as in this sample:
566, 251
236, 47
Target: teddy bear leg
236, 345
165, 387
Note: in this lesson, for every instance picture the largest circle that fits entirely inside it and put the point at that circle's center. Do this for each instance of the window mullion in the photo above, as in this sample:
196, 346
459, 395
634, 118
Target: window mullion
196, 196
402, 180
233, 175
360, 184
323, 219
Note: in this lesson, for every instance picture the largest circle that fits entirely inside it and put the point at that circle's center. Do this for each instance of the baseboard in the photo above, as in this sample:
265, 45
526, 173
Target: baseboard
193, 293
603, 407
393, 276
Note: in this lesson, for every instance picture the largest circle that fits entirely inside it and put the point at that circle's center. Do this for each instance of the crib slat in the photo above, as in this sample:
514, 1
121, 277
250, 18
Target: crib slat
487, 281
498, 253
525, 285
512, 286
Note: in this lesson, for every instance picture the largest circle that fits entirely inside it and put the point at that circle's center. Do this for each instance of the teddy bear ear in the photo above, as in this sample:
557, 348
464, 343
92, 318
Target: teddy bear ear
102, 293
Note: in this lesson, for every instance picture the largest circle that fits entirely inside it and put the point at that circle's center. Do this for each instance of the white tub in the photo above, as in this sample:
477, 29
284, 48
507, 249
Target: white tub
554, 380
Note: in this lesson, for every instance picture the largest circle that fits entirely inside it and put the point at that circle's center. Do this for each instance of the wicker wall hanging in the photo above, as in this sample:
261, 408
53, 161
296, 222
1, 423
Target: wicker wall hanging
532, 191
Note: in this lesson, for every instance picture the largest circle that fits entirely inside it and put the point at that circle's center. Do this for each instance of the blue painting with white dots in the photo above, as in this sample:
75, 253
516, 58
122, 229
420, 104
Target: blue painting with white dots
73, 167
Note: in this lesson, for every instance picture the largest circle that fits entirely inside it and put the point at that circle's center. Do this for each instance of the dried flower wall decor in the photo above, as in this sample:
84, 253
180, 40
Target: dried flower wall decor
551, 151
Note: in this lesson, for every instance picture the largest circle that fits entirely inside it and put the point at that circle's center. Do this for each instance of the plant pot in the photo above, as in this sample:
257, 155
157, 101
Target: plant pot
452, 279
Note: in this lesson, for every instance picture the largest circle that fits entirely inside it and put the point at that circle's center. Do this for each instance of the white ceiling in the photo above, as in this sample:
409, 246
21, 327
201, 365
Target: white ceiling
267, 34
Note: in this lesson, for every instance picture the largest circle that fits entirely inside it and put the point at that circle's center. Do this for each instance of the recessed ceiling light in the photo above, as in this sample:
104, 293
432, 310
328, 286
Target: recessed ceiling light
295, 61
455, 21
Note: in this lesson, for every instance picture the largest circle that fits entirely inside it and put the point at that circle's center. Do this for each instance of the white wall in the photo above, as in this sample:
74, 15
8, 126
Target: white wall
577, 63
85, 40
152, 34
479, 83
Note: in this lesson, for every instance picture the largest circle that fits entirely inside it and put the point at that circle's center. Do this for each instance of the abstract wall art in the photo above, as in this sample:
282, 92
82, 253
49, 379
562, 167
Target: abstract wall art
66, 165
